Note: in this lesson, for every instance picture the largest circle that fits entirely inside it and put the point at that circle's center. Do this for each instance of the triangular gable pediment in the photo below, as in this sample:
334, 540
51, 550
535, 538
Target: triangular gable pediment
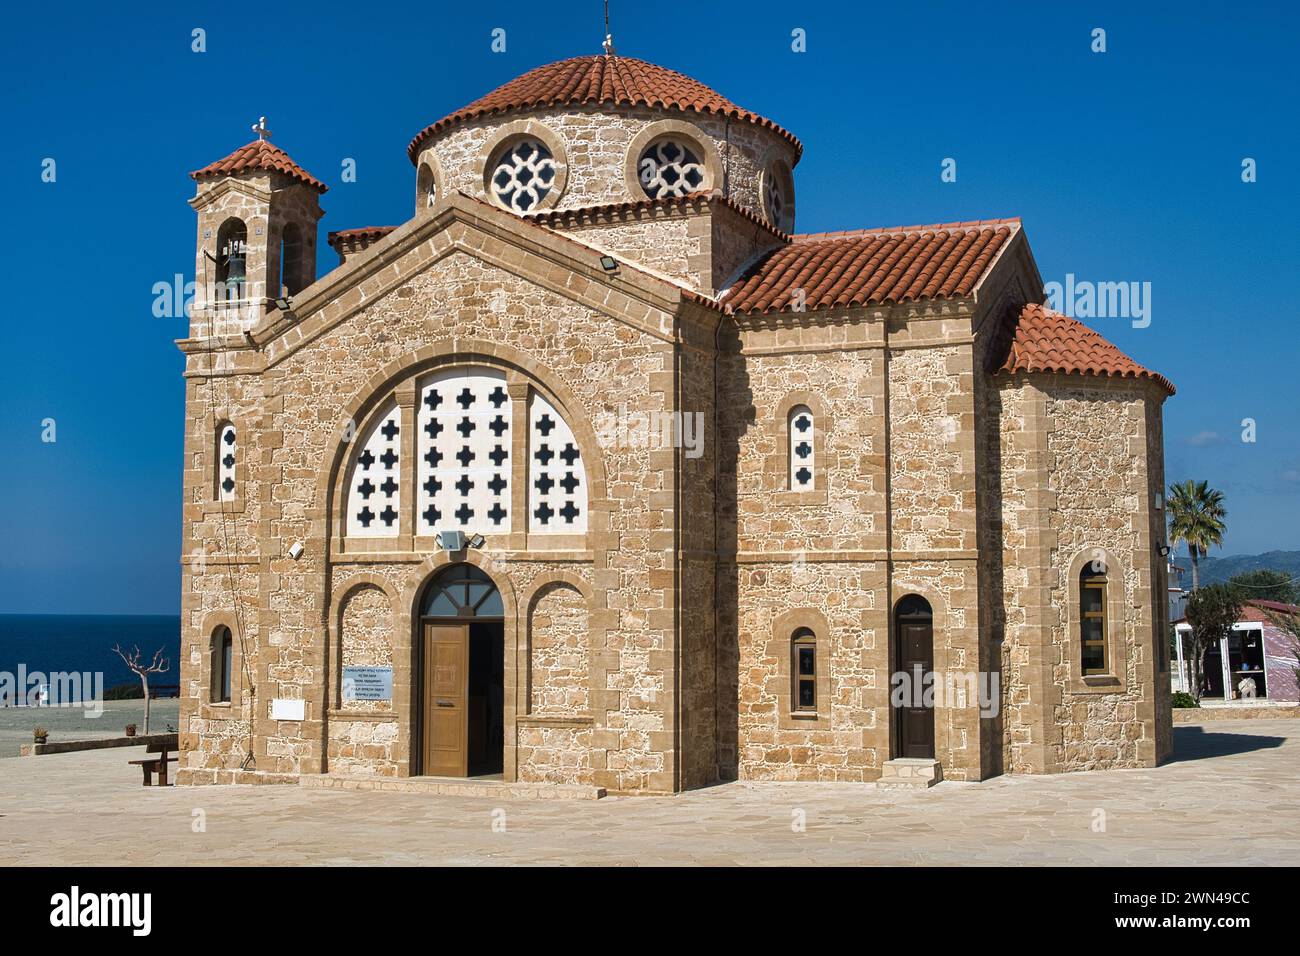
256, 192
498, 238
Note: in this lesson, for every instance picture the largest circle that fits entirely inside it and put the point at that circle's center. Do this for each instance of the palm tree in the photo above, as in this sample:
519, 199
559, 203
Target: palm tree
1196, 516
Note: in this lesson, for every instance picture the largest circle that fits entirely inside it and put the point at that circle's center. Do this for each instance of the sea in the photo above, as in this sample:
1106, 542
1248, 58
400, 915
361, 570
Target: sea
83, 643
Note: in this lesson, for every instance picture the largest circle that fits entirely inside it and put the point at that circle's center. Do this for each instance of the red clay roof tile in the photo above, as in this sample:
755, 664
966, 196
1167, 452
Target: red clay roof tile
362, 232
1040, 340
580, 215
260, 154
871, 266
604, 79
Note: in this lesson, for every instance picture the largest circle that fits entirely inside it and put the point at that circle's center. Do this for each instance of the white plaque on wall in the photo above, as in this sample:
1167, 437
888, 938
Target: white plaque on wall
283, 708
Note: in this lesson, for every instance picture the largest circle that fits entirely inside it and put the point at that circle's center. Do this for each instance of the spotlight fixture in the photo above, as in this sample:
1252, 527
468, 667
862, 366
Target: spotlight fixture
282, 304
295, 550
1164, 551
451, 540
477, 541
609, 264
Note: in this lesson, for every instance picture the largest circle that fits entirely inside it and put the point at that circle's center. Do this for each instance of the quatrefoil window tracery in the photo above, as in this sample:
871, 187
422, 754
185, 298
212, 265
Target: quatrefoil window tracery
522, 175
670, 168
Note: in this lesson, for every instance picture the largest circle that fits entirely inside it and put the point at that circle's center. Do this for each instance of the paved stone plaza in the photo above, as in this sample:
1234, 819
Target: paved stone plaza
1231, 796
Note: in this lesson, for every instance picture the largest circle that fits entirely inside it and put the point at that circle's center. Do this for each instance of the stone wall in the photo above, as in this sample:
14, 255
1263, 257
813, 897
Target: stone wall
1081, 464
558, 653
600, 363
595, 145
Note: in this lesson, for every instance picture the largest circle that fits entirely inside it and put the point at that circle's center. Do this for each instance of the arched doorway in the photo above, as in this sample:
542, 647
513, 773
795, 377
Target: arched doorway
461, 715
914, 657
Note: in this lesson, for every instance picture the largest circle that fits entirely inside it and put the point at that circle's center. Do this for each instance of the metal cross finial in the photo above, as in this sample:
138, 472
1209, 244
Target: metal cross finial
609, 37
260, 128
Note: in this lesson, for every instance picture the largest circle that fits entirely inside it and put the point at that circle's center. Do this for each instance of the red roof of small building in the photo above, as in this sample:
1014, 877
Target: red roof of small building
362, 232
1275, 606
259, 155
1040, 340
870, 266
604, 79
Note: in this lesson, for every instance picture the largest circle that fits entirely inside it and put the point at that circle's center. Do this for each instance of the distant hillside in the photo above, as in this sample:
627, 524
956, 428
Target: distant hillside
1221, 569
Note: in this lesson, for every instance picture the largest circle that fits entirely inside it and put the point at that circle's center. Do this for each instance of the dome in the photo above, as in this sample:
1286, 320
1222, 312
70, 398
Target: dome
603, 79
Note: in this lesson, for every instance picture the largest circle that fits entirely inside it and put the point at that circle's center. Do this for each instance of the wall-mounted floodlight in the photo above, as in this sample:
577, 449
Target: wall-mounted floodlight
609, 264
295, 550
451, 540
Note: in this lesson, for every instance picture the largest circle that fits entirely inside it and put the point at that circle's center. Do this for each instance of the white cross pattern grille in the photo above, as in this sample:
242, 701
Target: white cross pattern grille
669, 168
523, 175
373, 497
463, 468
557, 479
801, 448
774, 199
227, 448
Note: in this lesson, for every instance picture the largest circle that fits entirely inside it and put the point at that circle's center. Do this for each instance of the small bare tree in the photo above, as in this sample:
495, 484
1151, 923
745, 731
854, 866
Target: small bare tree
133, 660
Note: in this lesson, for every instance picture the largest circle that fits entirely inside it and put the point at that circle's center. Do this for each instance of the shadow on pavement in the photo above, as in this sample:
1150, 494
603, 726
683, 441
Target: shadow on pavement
1197, 743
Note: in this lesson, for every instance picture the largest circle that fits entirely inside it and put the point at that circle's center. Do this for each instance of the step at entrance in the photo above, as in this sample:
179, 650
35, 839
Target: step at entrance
909, 773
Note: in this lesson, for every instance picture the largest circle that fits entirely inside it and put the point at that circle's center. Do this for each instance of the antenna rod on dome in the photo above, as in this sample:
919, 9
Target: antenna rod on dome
609, 37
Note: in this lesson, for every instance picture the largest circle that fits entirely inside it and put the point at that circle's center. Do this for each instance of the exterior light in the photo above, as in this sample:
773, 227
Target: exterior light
451, 540
609, 264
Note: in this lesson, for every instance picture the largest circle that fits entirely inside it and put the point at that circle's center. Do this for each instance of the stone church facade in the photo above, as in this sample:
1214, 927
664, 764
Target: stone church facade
595, 473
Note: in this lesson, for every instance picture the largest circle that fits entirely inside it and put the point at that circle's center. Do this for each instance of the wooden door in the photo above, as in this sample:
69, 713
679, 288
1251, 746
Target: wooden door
445, 713
915, 721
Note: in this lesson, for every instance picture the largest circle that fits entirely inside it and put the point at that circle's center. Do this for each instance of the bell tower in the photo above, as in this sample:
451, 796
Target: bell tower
257, 212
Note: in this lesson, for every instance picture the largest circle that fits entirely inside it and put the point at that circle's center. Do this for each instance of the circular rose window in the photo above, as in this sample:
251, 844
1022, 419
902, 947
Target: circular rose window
778, 192
522, 174
670, 168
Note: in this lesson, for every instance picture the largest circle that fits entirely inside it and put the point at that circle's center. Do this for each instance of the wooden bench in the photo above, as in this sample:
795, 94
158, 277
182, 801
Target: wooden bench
158, 765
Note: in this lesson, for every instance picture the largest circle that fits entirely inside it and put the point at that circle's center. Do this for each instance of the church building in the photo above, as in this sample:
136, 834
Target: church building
596, 474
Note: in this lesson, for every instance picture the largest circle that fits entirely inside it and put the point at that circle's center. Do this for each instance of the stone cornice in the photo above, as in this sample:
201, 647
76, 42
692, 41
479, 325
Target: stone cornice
462, 224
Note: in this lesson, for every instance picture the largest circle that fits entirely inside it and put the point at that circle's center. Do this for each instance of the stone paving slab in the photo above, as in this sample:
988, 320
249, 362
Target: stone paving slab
1230, 797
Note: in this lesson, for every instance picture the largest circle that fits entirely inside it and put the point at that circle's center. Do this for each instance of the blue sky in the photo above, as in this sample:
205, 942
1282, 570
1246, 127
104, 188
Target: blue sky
1125, 166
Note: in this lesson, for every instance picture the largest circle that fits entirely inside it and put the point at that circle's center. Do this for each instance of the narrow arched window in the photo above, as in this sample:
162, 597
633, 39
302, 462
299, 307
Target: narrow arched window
232, 260
227, 449
800, 430
1092, 618
803, 672
426, 187
221, 658
291, 260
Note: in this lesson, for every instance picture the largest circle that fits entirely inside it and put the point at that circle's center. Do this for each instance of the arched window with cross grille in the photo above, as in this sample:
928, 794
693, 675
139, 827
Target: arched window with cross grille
374, 495
226, 456
464, 452
557, 478
802, 438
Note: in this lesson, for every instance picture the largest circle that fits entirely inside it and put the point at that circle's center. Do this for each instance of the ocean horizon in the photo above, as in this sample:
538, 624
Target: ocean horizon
83, 643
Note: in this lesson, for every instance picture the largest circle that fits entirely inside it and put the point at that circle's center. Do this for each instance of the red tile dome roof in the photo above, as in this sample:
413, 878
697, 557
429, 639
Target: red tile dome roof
604, 79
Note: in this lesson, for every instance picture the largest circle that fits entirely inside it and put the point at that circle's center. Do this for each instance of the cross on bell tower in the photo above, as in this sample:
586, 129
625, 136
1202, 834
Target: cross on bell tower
260, 128
609, 37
